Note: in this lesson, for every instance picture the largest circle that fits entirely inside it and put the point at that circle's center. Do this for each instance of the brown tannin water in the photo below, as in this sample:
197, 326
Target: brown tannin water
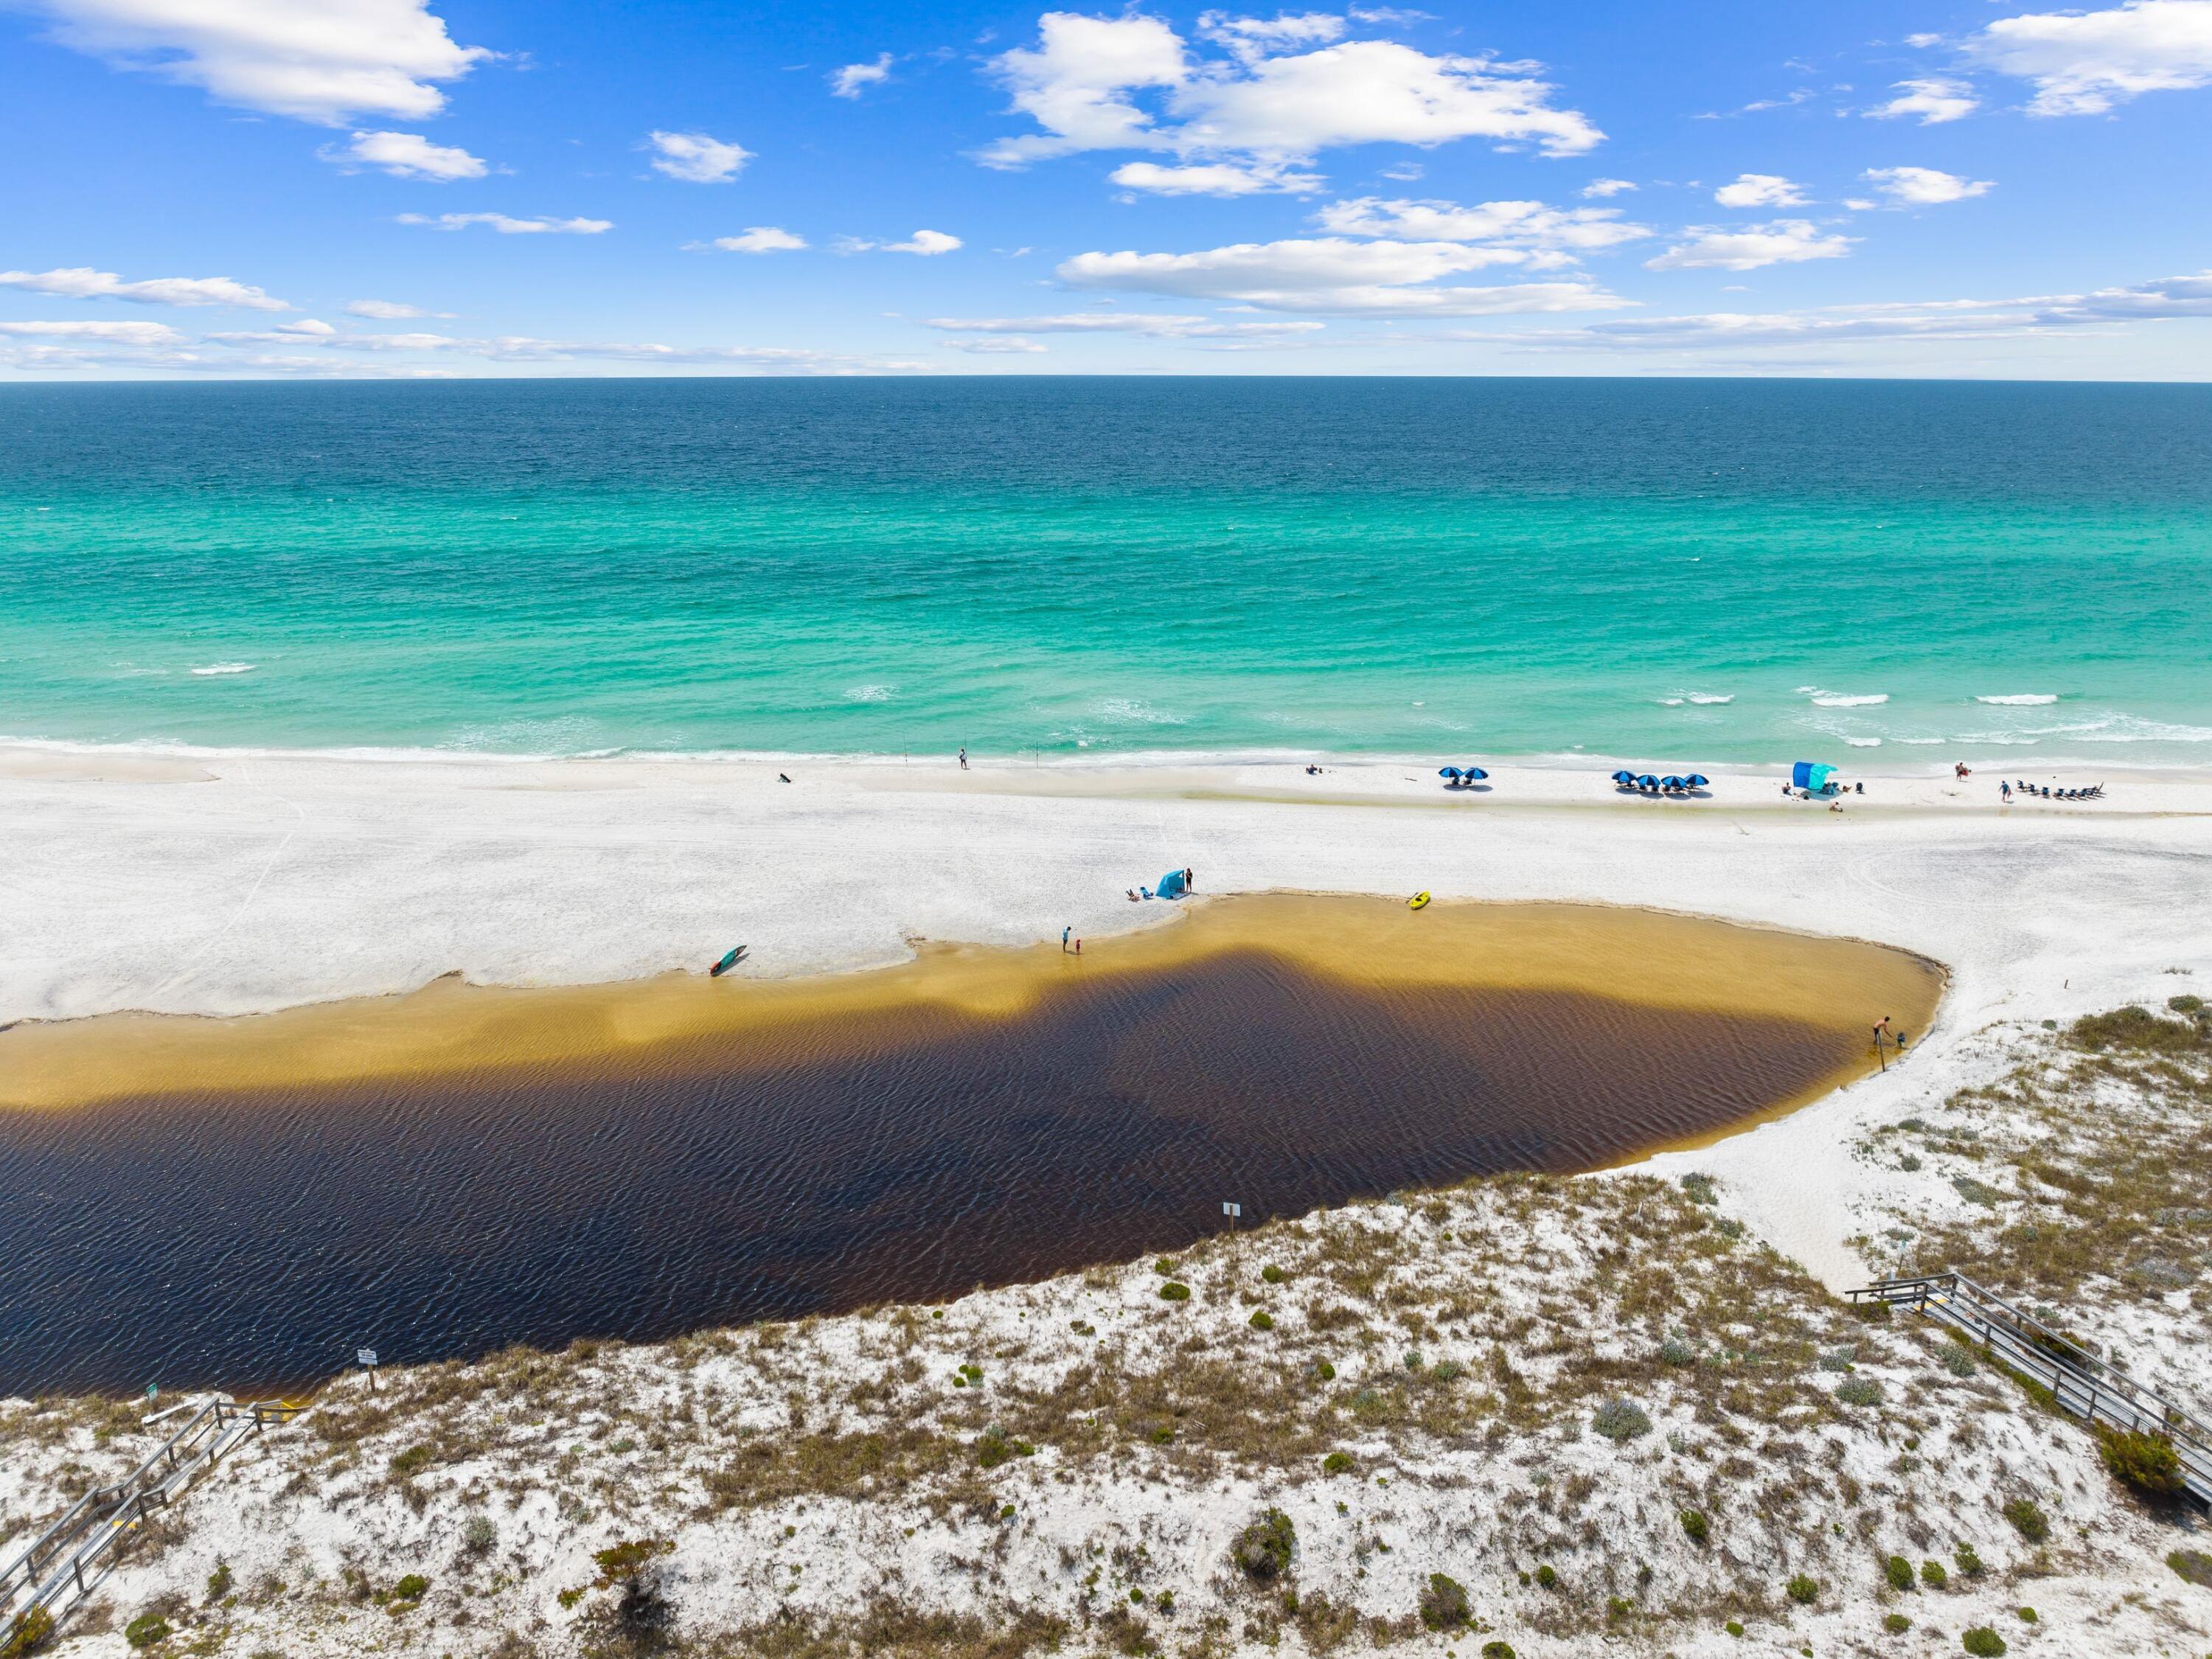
905, 1150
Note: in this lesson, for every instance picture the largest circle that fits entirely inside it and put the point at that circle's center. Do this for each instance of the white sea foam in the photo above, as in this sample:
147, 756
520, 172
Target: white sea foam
2020, 699
870, 693
2129, 728
1847, 700
1670, 702
1863, 743
1709, 699
1137, 712
1916, 741
215, 668
565, 735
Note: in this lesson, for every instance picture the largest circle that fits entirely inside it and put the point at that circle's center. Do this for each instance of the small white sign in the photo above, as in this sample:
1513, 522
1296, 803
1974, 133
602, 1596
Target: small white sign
1232, 1210
366, 1356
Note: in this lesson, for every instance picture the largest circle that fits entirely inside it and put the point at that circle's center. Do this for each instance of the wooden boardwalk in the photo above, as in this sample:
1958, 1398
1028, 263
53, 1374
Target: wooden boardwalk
2083, 1385
65, 1563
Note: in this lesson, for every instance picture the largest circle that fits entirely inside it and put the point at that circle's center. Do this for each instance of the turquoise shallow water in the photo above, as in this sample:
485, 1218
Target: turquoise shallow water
1690, 571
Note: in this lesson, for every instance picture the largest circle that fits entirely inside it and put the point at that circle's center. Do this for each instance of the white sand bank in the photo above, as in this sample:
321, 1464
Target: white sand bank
245, 882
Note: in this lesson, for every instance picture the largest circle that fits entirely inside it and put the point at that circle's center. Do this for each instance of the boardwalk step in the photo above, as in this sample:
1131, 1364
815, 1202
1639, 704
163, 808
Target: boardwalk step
2081, 1383
65, 1563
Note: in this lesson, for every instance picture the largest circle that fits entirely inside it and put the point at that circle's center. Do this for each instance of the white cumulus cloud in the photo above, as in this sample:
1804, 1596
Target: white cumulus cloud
698, 158
1252, 38
388, 310
1215, 178
309, 331
1551, 235
1784, 241
1334, 275
137, 334
760, 239
507, 226
924, 242
315, 60
995, 346
851, 80
1287, 88
406, 155
1367, 91
2166, 298
82, 283
1761, 190
1934, 99
1160, 325
2083, 63
1603, 187
1924, 186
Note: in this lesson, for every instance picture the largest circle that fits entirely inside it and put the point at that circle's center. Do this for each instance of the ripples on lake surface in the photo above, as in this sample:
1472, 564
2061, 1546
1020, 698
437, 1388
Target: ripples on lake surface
911, 1154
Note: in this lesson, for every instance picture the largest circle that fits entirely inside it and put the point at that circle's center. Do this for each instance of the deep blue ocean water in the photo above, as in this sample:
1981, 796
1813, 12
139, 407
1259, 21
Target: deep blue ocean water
1686, 570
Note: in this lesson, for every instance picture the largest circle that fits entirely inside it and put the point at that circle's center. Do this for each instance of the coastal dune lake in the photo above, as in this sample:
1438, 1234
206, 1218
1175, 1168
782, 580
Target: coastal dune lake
441, 1174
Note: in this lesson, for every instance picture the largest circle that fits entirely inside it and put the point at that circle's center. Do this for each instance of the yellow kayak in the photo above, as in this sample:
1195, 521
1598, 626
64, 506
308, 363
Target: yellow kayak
1417, 901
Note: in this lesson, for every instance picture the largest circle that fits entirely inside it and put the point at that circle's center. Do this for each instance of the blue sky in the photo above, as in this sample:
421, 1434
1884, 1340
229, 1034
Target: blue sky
322, 188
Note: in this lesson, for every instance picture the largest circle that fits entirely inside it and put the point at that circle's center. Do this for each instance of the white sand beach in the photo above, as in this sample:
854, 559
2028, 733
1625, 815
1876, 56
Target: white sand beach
215, 882
211, 883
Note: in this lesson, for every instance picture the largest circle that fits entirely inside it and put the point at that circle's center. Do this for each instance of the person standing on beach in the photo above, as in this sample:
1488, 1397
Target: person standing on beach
1189, 886
1064, 932
2004, 792
963, 759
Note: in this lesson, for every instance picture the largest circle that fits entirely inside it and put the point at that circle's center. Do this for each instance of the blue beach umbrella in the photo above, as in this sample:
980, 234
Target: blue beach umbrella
1670, 782
1624, 776
1647, 782
1447, 771
1474, 773
1696, 780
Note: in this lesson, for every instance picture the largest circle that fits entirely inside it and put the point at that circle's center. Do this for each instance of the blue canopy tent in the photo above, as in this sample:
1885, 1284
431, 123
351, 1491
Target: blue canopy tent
1171, 885
1810, 775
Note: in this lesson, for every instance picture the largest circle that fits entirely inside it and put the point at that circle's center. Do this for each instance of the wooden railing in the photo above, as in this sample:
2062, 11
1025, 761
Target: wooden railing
47, 1582
2083, 1385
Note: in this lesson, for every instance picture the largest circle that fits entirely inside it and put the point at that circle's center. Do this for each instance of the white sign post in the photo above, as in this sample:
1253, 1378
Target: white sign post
1232, 1210
367, 1357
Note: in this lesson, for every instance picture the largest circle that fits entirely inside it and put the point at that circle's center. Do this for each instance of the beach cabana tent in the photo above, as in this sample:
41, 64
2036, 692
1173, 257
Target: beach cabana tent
1171, 885
1810, 775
